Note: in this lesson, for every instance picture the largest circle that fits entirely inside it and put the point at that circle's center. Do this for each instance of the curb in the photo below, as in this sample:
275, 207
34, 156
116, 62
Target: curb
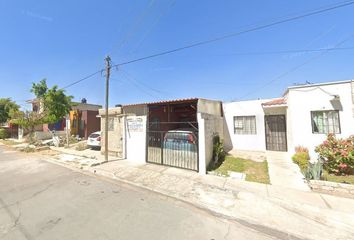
74, 154
241, 218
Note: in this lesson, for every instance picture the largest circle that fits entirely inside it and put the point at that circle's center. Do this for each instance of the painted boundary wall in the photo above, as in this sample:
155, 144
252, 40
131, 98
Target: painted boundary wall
209, 126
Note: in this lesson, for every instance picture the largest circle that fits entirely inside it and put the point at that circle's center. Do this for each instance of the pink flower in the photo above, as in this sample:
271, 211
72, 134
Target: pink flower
343, 165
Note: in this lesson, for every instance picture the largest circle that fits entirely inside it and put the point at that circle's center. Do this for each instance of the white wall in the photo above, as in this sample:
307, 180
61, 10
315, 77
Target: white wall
135, 135
301, 101
48, 135
245, 108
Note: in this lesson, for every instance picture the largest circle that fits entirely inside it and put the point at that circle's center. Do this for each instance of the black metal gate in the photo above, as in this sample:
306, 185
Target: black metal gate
176, 148
275, 130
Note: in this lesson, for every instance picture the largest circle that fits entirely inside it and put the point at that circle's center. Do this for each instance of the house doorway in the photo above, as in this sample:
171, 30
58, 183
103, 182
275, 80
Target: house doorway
275, 133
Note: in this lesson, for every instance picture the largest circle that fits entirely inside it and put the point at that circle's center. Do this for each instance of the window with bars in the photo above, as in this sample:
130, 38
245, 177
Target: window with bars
325, 122
245, 125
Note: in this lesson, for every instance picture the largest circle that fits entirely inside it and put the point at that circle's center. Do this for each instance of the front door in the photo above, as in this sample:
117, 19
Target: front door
275, 130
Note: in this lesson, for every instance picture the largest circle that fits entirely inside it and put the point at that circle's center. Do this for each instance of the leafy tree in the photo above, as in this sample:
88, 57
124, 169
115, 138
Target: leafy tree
28, 120
7, 109
40, 89
55, 105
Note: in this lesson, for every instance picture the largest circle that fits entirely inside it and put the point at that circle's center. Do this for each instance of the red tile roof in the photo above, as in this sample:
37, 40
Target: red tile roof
164, 102
277, 101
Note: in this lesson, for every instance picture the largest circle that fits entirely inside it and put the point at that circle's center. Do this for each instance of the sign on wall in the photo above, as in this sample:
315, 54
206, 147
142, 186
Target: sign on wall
135, 125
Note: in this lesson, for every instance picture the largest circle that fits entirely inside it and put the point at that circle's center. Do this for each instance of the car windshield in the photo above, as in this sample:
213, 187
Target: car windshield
94, 135
178, 136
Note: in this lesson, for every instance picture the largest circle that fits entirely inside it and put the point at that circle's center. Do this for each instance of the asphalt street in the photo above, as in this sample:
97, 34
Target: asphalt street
42, 200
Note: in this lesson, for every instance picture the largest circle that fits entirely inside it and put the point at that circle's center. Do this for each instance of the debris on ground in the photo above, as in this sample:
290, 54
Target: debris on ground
80, 161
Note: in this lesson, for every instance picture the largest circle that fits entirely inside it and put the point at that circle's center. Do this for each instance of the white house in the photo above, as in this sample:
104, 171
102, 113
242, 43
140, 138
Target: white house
302, 117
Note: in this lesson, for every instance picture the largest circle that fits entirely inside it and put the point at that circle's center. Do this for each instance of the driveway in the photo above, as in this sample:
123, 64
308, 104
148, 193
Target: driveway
40, 200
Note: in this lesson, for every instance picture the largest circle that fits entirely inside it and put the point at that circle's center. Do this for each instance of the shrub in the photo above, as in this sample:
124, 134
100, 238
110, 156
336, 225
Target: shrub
3, 133
314, 171
301, 158
28, 149
337, 154
81, 146
301, 149
218, 149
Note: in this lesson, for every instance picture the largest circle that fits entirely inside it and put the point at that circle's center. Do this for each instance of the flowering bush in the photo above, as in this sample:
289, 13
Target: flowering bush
337, 154
301, 158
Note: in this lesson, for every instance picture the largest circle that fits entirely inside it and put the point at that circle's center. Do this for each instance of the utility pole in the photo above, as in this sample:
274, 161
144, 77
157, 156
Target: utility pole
108, 72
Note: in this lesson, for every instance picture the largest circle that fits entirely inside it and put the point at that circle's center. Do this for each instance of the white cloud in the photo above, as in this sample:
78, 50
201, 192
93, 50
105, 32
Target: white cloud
37, 16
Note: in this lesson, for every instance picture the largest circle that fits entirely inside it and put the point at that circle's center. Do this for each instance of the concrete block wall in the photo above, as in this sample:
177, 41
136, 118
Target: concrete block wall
115, 136
210, 107
40, 135
345, 190
209, 126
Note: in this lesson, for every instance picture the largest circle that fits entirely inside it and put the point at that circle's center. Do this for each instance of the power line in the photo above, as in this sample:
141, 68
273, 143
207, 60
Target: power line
136, 24
135, 84
238, 54
236, 34
83, 79
295, 68
322, 10
286, 51
132, 78
138, 84
172, 3
139, 87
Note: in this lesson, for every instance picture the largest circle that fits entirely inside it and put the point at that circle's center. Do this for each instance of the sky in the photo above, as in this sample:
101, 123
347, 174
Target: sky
64, 41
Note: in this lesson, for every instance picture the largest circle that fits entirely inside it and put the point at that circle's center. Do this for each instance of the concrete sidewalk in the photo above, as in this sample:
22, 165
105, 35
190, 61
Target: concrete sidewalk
301, 213
283, 172
87, 157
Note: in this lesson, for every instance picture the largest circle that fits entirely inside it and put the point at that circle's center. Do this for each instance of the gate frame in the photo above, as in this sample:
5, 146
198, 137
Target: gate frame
161, 147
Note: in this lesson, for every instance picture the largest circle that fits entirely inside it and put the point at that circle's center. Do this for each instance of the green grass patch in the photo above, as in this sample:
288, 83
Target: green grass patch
339, 179
255, 171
